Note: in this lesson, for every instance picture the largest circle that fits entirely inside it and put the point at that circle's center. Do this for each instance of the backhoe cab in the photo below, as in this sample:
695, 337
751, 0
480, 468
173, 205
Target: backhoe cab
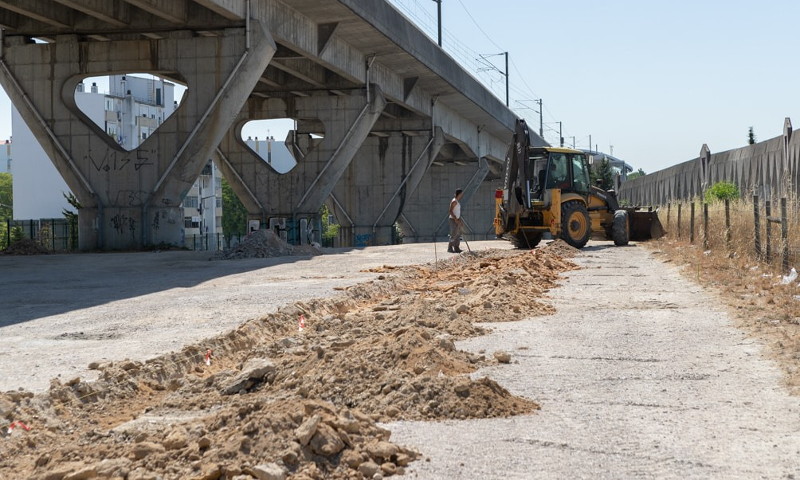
547, 189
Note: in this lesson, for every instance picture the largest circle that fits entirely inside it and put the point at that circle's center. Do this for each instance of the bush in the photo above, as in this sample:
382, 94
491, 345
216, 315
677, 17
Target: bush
721, 191
17, 234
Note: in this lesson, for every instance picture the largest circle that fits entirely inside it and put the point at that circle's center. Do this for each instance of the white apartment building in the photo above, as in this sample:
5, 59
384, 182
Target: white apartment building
274, 153
5, 156
131, 111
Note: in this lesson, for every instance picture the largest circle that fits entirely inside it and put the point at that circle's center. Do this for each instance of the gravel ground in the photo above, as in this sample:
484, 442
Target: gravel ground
58, 313
640, 374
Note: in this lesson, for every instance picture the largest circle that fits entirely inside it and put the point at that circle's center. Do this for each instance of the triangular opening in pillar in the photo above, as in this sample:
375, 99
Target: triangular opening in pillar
129, 107
272, 141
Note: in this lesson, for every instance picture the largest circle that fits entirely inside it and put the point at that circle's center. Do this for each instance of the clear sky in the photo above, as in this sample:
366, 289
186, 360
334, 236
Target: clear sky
654, 78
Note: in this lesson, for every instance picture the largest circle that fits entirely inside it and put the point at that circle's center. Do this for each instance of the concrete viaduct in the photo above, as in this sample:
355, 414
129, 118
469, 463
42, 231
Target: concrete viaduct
388, 124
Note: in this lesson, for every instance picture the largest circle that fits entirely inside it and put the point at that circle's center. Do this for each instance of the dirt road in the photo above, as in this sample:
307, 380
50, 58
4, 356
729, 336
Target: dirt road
640, 374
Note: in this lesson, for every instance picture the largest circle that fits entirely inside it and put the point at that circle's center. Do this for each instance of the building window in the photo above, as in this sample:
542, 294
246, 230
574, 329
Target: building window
219, 202
190, 202
188, 222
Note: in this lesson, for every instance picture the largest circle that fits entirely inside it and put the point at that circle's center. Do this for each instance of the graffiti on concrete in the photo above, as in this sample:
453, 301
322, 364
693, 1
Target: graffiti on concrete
122, 223
117, 161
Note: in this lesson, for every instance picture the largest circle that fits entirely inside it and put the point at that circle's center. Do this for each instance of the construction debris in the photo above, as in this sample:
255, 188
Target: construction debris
283, 402
265, 244
26, 246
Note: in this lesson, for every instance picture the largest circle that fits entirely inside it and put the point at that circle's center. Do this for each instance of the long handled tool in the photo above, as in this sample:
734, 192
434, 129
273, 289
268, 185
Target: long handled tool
466, 243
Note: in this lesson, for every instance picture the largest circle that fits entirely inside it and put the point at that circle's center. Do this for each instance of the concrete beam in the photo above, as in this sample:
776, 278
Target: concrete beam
230, 9
42, 11
398, 30
114, 13
303, 69
171, 10
9, 20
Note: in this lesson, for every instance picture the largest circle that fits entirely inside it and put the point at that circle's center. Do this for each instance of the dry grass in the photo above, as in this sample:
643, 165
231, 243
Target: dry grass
749, 284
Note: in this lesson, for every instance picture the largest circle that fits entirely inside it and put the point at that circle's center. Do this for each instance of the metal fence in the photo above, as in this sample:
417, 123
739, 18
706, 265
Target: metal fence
59, 235
768, 169
53, 234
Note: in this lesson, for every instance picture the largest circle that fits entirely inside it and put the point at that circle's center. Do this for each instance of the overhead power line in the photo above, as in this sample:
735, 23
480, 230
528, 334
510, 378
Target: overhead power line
493, 78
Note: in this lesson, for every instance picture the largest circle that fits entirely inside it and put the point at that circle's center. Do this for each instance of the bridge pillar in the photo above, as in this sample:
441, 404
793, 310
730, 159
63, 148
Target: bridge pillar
424, 217
384, 173
132, 199
293, 200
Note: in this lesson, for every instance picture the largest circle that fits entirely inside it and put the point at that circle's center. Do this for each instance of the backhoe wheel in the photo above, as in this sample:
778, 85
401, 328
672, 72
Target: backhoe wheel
576, 227
620, 228
526, 240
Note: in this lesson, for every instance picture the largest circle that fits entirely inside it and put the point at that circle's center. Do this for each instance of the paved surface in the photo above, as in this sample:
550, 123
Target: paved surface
640, 374
58, 313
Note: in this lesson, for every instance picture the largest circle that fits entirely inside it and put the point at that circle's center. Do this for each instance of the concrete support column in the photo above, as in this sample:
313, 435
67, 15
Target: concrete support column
384, 173
424, 217
294, 198
132, 199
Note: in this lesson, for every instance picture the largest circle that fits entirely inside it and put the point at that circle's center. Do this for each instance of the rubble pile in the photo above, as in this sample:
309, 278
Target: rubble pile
26, 246
265, 244
296, 394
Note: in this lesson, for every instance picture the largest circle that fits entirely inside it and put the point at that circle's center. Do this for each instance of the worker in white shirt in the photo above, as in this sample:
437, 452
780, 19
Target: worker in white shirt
456, 223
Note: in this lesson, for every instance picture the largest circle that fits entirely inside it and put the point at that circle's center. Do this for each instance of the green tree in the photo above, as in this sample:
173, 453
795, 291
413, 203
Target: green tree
602, 175
722, 191
751, 136
330, 230
72, 218
234, 215
636, 174
6, 207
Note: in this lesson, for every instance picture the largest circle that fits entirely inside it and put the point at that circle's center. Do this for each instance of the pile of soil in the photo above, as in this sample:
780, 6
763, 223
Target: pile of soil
265, 244
26, 246
295, 394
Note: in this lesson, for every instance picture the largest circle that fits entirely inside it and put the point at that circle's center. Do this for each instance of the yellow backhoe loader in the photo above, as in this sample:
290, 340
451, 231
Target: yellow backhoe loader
547, 189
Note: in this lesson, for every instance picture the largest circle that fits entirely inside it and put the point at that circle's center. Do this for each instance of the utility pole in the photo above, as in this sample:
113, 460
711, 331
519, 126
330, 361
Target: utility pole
611, 150
506, 53
590, 143
491, 66
541, 124
439, 16
573, 142
560, 136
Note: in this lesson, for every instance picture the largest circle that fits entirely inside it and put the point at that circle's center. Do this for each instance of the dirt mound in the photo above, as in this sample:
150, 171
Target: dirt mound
561, 248
295, 393
26, 246
265, 244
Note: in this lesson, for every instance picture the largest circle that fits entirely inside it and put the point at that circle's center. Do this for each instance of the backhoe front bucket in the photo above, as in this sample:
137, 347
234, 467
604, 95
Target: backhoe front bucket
645, 225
